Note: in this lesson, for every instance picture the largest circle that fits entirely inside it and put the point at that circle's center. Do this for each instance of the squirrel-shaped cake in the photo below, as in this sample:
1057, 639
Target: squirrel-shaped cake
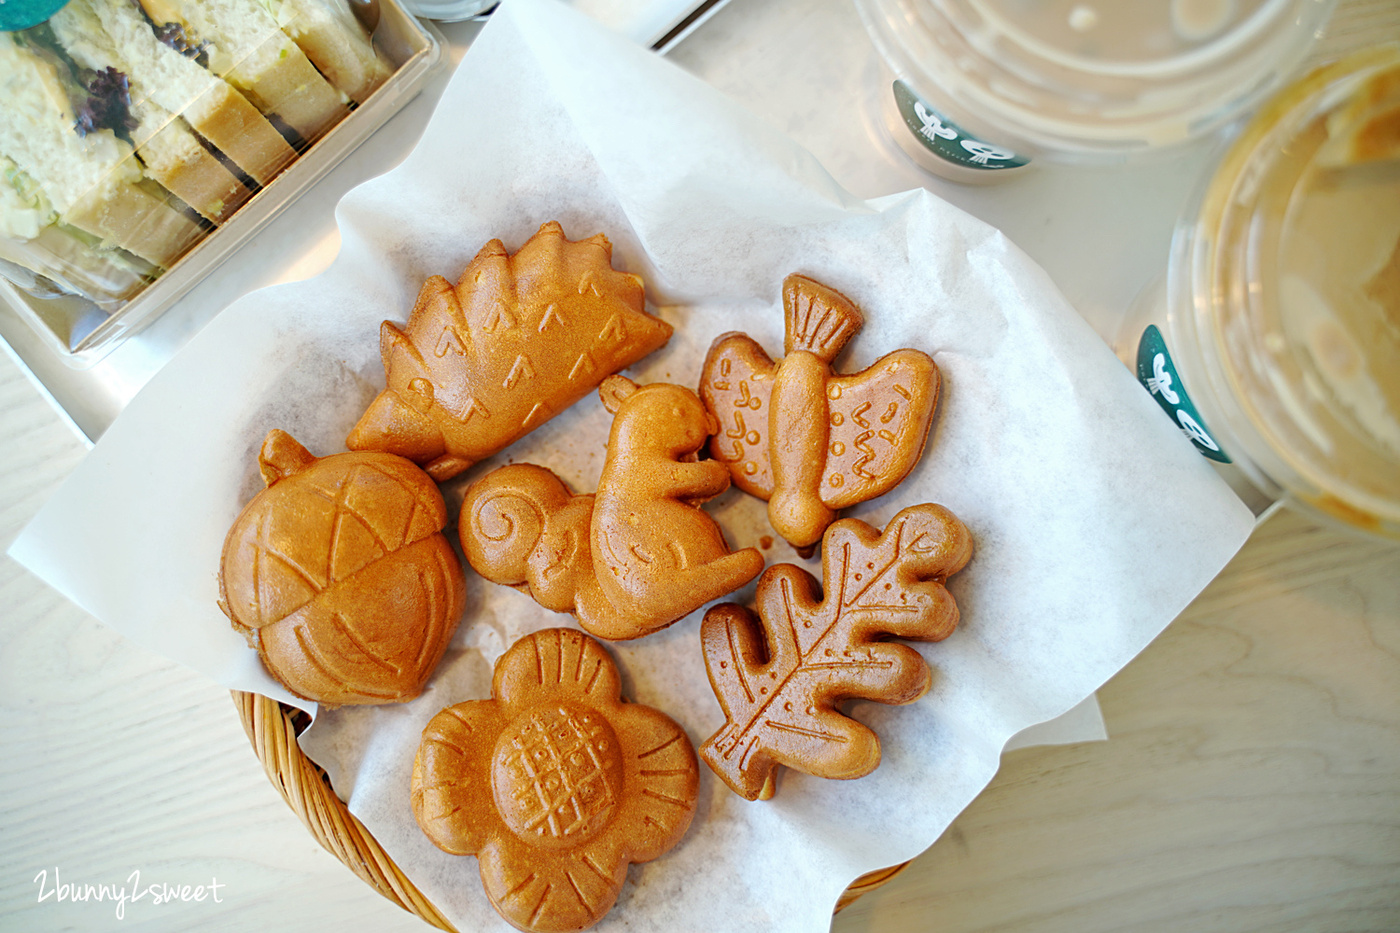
640, 553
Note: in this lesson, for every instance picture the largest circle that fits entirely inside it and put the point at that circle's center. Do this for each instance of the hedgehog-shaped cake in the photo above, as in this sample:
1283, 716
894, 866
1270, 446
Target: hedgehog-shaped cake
517, 340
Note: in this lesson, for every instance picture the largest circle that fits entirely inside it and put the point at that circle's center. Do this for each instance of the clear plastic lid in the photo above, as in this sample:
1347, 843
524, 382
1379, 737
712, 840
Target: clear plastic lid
1288, 283
1093, 79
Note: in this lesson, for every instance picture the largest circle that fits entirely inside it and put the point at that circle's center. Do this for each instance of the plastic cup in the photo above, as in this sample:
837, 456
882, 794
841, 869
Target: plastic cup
983, 88
1274, 341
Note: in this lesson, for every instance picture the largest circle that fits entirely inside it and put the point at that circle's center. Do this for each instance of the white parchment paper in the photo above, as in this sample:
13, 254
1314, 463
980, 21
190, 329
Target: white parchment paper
1095, 522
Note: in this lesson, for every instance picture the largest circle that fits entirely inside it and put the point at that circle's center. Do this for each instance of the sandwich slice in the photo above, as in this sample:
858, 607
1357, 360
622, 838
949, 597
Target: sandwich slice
335, 41
174, 157
46, 257
93, 181
248, 49
165, 144
102, 34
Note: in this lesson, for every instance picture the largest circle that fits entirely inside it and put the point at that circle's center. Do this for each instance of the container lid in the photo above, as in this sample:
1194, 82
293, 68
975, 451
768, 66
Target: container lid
1089, 79
449, 11
1303, 274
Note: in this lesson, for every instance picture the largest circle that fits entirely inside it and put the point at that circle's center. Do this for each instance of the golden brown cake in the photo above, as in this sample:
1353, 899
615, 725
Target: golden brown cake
555, 783
518, 339
782, 674
339, 575
657, 555
807, 440
638, 555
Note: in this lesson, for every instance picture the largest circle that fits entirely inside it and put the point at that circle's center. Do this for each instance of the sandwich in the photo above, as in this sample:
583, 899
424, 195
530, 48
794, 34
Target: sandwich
133, 129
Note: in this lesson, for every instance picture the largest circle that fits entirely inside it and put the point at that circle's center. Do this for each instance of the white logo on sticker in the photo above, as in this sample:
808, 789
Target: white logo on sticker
982, 152
1160, 382
933, 124
1192, 429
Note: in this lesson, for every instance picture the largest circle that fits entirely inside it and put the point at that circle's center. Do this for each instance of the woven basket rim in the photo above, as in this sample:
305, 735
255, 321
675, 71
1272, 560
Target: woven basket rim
307, 790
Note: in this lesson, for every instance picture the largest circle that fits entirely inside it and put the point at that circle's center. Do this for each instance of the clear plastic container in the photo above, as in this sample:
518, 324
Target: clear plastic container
990, 86
450, 11
142, 142
1274, 341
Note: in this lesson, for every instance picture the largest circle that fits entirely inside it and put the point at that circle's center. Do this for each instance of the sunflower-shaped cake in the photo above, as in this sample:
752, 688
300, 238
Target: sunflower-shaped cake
555, 783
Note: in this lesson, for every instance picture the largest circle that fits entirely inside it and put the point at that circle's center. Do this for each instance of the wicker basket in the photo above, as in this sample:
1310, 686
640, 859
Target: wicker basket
273, 728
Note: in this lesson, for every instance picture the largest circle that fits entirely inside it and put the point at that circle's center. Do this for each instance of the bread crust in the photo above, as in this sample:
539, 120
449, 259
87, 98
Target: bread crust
174, 157
336, 43
253, 54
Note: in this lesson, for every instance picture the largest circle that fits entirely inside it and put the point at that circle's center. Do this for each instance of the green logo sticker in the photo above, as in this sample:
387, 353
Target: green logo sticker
946, 139
1156, 371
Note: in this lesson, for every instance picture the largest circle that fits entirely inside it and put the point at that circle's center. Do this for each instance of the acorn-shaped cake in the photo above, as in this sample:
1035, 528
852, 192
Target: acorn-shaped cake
339, 575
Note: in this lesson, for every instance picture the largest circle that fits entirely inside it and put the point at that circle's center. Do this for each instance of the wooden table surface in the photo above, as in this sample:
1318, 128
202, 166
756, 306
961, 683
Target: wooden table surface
1251, 780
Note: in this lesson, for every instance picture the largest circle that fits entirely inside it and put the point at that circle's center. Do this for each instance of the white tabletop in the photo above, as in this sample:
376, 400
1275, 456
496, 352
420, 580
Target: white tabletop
1252, 777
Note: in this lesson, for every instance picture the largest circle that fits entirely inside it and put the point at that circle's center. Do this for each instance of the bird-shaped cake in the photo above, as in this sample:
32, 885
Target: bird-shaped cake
806, 440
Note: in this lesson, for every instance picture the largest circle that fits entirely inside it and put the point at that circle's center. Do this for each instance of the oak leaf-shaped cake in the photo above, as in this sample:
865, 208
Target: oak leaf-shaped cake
339, 575
781, 674
806, 440
555, 783
518, 339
